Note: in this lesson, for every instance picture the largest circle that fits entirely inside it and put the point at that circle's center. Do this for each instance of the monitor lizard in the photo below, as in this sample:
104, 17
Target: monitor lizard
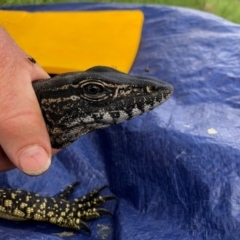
74, 104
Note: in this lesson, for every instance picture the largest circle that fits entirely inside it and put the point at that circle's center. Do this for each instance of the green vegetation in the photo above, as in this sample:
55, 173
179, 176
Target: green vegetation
229, 9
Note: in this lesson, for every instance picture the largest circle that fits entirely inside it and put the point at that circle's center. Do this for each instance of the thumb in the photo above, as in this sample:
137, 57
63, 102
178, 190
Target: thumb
23, 135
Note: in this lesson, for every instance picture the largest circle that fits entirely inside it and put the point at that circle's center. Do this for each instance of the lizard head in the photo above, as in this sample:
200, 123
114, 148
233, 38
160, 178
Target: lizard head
77, 103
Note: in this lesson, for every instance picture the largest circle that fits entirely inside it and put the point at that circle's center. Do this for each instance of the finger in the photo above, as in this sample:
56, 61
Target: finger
23, 134
6, 164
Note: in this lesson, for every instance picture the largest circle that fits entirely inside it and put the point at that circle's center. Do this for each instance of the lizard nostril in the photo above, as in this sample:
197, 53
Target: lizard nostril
150, 89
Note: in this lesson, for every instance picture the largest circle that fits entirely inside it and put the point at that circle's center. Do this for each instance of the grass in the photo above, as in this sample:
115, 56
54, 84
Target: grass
229, 9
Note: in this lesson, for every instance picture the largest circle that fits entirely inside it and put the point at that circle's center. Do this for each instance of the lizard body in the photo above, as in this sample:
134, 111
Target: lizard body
74, 104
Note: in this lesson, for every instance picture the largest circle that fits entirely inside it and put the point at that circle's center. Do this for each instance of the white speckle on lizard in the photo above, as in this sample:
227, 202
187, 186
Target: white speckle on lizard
147, 107
123, 117
107, 118
88, 119
136, 111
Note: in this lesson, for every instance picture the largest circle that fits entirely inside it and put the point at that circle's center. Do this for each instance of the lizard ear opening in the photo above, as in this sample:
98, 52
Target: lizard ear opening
102, 69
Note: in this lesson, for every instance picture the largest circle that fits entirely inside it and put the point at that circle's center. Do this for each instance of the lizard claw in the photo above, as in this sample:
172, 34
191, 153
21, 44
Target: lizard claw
85, 227
110, 197
68, 190
103, 211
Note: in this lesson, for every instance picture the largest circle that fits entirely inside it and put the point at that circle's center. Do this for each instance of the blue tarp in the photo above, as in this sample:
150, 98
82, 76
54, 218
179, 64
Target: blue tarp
175, 170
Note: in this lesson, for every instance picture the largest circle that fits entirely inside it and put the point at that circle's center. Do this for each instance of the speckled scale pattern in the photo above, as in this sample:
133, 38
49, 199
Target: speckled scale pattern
23, 205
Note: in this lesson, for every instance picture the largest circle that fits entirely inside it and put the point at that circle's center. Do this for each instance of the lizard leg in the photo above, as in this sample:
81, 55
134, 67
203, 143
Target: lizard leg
91, 199
21, 205
82, 209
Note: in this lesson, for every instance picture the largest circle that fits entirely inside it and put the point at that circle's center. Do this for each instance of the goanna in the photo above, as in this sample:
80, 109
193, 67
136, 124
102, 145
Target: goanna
74, 104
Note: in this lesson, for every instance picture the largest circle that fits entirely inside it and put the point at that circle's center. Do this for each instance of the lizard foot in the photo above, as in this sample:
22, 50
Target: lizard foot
23, 205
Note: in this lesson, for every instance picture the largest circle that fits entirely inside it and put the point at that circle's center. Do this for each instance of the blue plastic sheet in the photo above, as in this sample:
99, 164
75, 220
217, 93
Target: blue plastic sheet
175, 170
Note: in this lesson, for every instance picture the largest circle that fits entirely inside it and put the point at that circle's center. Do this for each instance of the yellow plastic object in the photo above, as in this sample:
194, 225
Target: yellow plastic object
74, 41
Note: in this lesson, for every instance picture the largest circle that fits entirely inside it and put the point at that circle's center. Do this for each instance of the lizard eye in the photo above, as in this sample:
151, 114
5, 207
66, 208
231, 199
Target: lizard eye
93, 89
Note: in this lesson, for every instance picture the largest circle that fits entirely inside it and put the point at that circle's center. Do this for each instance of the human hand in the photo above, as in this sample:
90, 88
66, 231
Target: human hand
24, 141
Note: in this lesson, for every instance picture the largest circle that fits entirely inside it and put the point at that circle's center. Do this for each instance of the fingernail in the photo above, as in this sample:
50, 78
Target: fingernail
34, 160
